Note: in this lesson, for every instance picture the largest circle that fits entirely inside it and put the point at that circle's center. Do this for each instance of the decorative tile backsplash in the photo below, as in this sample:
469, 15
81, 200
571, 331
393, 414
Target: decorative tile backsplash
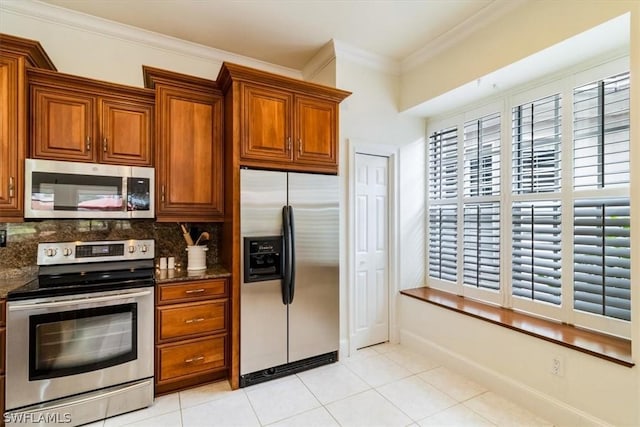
23, 238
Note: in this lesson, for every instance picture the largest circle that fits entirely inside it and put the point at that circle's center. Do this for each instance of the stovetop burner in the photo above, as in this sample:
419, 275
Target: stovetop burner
83, 267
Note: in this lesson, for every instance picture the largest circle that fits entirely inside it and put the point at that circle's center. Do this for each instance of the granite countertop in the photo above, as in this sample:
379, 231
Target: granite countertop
13, 278
182, 274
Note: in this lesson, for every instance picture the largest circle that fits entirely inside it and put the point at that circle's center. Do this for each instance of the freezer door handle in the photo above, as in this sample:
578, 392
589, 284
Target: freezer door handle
286, 280
292, 244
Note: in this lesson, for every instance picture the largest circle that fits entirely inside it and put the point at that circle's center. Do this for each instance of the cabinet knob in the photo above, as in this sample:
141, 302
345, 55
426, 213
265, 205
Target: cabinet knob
104, 144
288, 143
300, 146
12, 187
88, 146
162, 193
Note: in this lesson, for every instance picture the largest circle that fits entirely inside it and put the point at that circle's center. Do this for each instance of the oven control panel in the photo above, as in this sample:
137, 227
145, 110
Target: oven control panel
83, 252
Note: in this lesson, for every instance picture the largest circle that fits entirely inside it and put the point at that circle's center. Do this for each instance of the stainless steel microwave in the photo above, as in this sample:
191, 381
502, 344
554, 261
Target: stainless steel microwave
57, 189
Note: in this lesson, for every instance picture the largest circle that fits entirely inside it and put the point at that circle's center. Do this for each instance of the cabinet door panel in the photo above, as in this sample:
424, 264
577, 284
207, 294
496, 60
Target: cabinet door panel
126, 133
189, 163
267, 131
63, 125
316, 131
12, 144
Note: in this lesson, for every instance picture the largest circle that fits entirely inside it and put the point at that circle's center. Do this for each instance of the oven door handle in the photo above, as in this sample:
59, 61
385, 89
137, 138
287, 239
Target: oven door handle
45, 304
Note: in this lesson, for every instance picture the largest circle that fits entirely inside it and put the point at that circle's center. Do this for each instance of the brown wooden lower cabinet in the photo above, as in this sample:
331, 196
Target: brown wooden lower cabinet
3, 347
2, 400
191, 334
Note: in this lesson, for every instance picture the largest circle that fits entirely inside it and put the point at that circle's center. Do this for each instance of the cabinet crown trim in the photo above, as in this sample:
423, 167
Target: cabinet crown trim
154, 76
30, 49
230, 73
98, 87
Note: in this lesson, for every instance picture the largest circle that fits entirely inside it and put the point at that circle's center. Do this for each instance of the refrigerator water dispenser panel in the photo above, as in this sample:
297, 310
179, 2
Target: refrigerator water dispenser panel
262, 258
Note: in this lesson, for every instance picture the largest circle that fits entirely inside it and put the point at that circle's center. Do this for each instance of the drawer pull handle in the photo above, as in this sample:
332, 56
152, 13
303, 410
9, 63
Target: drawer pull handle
197, 320
194, 359
194, 291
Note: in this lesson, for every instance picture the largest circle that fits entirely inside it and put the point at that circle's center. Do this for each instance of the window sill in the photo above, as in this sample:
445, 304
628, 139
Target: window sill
613, 349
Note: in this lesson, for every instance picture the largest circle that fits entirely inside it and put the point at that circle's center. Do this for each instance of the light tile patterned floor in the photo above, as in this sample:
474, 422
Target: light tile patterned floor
384, 385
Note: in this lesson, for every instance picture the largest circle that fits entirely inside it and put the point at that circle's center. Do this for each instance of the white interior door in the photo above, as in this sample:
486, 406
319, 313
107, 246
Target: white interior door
371, 251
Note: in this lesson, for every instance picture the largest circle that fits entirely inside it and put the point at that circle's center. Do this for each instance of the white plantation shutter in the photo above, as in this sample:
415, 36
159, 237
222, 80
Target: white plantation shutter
442, 191
536, 146
601, 134
601, 251
443, 164
482, 156
536, 251
482, 245
443, 245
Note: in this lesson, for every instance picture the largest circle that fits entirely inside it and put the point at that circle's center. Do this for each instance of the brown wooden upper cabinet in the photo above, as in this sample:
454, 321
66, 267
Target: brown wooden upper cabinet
189, 169
16, 56
78, 119
282, 123
282, 126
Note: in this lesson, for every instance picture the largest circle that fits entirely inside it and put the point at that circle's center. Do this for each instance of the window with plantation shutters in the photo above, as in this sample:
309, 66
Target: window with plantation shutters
443, 245
601, 257
443, 164
601, 134
536, 256
534, 214
537, 134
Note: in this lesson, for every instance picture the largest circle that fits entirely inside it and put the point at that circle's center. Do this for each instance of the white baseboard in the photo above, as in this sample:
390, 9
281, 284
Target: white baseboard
554, 410
343, 351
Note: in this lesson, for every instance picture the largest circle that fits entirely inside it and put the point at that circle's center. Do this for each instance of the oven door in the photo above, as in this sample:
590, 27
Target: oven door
78, 343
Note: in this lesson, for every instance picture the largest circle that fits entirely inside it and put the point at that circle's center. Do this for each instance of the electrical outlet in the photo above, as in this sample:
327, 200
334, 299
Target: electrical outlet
3, 238
557, 366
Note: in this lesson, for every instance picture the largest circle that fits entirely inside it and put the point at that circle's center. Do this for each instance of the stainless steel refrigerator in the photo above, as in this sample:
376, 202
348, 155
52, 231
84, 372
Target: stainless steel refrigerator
289, 300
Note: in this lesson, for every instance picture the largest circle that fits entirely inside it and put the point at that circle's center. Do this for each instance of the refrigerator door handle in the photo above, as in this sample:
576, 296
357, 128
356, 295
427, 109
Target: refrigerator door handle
292, 239
286, 280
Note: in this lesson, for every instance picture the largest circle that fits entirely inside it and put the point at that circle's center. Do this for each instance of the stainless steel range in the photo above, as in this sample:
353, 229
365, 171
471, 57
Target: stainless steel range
80, 336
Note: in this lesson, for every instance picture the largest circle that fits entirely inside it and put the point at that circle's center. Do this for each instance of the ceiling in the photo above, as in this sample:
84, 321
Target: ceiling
290, 32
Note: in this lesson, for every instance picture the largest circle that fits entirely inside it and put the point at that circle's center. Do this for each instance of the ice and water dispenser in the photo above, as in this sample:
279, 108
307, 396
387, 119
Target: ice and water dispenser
262, 258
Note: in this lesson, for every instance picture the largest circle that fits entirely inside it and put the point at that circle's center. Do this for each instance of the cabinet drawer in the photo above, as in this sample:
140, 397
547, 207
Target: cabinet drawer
191, 319
191, 291
177, 360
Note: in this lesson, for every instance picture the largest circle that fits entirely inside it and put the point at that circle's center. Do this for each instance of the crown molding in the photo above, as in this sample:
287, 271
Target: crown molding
323, 57
459, 32
82, 21
363, 57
